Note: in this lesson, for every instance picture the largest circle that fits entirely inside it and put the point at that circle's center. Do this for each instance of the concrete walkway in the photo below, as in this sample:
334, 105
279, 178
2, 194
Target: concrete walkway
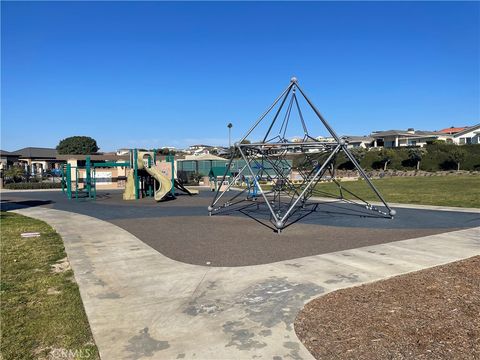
141, 304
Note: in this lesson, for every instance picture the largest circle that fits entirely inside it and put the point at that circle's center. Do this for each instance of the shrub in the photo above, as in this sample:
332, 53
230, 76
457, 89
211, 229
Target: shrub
15, 173
36, 185
437, 156
193, 178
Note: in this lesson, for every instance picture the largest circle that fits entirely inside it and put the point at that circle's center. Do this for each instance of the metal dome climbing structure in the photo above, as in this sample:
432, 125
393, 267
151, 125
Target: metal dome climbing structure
266, 161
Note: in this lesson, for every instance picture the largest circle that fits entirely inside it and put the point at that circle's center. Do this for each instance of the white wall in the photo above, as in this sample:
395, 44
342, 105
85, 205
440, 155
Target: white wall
472, 137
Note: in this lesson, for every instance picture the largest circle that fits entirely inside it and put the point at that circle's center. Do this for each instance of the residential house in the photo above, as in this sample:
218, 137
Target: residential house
36, 160
470, 135
453, 130
327, 139
7, 159
364, 142
410, 137
199, 149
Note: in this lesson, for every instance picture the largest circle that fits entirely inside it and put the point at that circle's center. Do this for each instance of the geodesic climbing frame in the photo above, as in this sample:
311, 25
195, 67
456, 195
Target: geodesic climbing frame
266, 161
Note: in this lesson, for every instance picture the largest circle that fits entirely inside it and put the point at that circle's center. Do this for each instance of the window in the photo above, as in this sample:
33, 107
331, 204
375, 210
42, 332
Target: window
462, 141
468, 140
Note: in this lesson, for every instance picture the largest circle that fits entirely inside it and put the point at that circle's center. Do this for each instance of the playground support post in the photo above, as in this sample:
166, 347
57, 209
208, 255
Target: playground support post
171, 158
88, 177
94, 185
135, 174
63, 181
149, 191
69, 181
76, 183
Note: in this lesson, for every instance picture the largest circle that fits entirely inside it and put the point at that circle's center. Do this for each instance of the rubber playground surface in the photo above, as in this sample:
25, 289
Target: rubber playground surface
182, 230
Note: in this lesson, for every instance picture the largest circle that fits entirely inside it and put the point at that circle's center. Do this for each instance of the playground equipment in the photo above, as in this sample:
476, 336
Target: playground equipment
252, 188
88, 189
162, 172
286, 201
146, 160
143, 171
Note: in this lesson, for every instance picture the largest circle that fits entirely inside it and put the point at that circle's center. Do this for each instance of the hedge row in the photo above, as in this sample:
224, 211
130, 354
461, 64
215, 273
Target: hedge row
436, 157
32, 185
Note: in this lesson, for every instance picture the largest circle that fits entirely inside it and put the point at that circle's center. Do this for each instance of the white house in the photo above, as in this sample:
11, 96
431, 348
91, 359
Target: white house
364, 142
410, 137
470, 135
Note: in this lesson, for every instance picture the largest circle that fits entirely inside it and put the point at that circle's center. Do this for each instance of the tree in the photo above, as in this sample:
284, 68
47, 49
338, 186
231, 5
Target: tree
416, 155
457, 155
232, 150
358, 153
386, 156
165, 151
77, 145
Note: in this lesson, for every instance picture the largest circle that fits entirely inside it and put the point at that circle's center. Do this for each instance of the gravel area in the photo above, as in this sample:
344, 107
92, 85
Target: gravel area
429, 314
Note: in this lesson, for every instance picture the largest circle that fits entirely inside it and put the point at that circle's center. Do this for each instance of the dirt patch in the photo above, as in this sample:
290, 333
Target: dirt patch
429, 314
61, 266
53, 291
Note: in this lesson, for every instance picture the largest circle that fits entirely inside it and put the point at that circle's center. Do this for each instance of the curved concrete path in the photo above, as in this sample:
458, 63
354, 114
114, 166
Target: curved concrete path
141, 304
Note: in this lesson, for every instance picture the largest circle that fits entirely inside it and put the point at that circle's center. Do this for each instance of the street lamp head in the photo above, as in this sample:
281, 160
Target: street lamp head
229, 125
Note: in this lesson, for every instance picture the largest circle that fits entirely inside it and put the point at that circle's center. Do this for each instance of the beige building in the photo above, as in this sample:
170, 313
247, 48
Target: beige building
107, 177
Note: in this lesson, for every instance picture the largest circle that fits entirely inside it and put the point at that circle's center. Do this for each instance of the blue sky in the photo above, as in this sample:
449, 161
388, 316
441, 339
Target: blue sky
155, 74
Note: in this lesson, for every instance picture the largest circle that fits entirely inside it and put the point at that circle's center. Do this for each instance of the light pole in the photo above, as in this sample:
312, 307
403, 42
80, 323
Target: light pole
229, 135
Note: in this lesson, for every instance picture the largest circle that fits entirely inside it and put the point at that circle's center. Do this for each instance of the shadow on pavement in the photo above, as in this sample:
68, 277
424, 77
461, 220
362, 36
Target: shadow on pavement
8, 205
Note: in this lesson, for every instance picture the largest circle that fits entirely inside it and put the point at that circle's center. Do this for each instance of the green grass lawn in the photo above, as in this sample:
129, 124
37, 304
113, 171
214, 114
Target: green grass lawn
42, 314
461, 191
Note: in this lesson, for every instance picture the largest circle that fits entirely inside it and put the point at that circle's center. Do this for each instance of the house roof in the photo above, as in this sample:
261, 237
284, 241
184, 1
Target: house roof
353, 138
405, 133
201, 145
36, 152
467, 130
203, 157
453, 130
4, 153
